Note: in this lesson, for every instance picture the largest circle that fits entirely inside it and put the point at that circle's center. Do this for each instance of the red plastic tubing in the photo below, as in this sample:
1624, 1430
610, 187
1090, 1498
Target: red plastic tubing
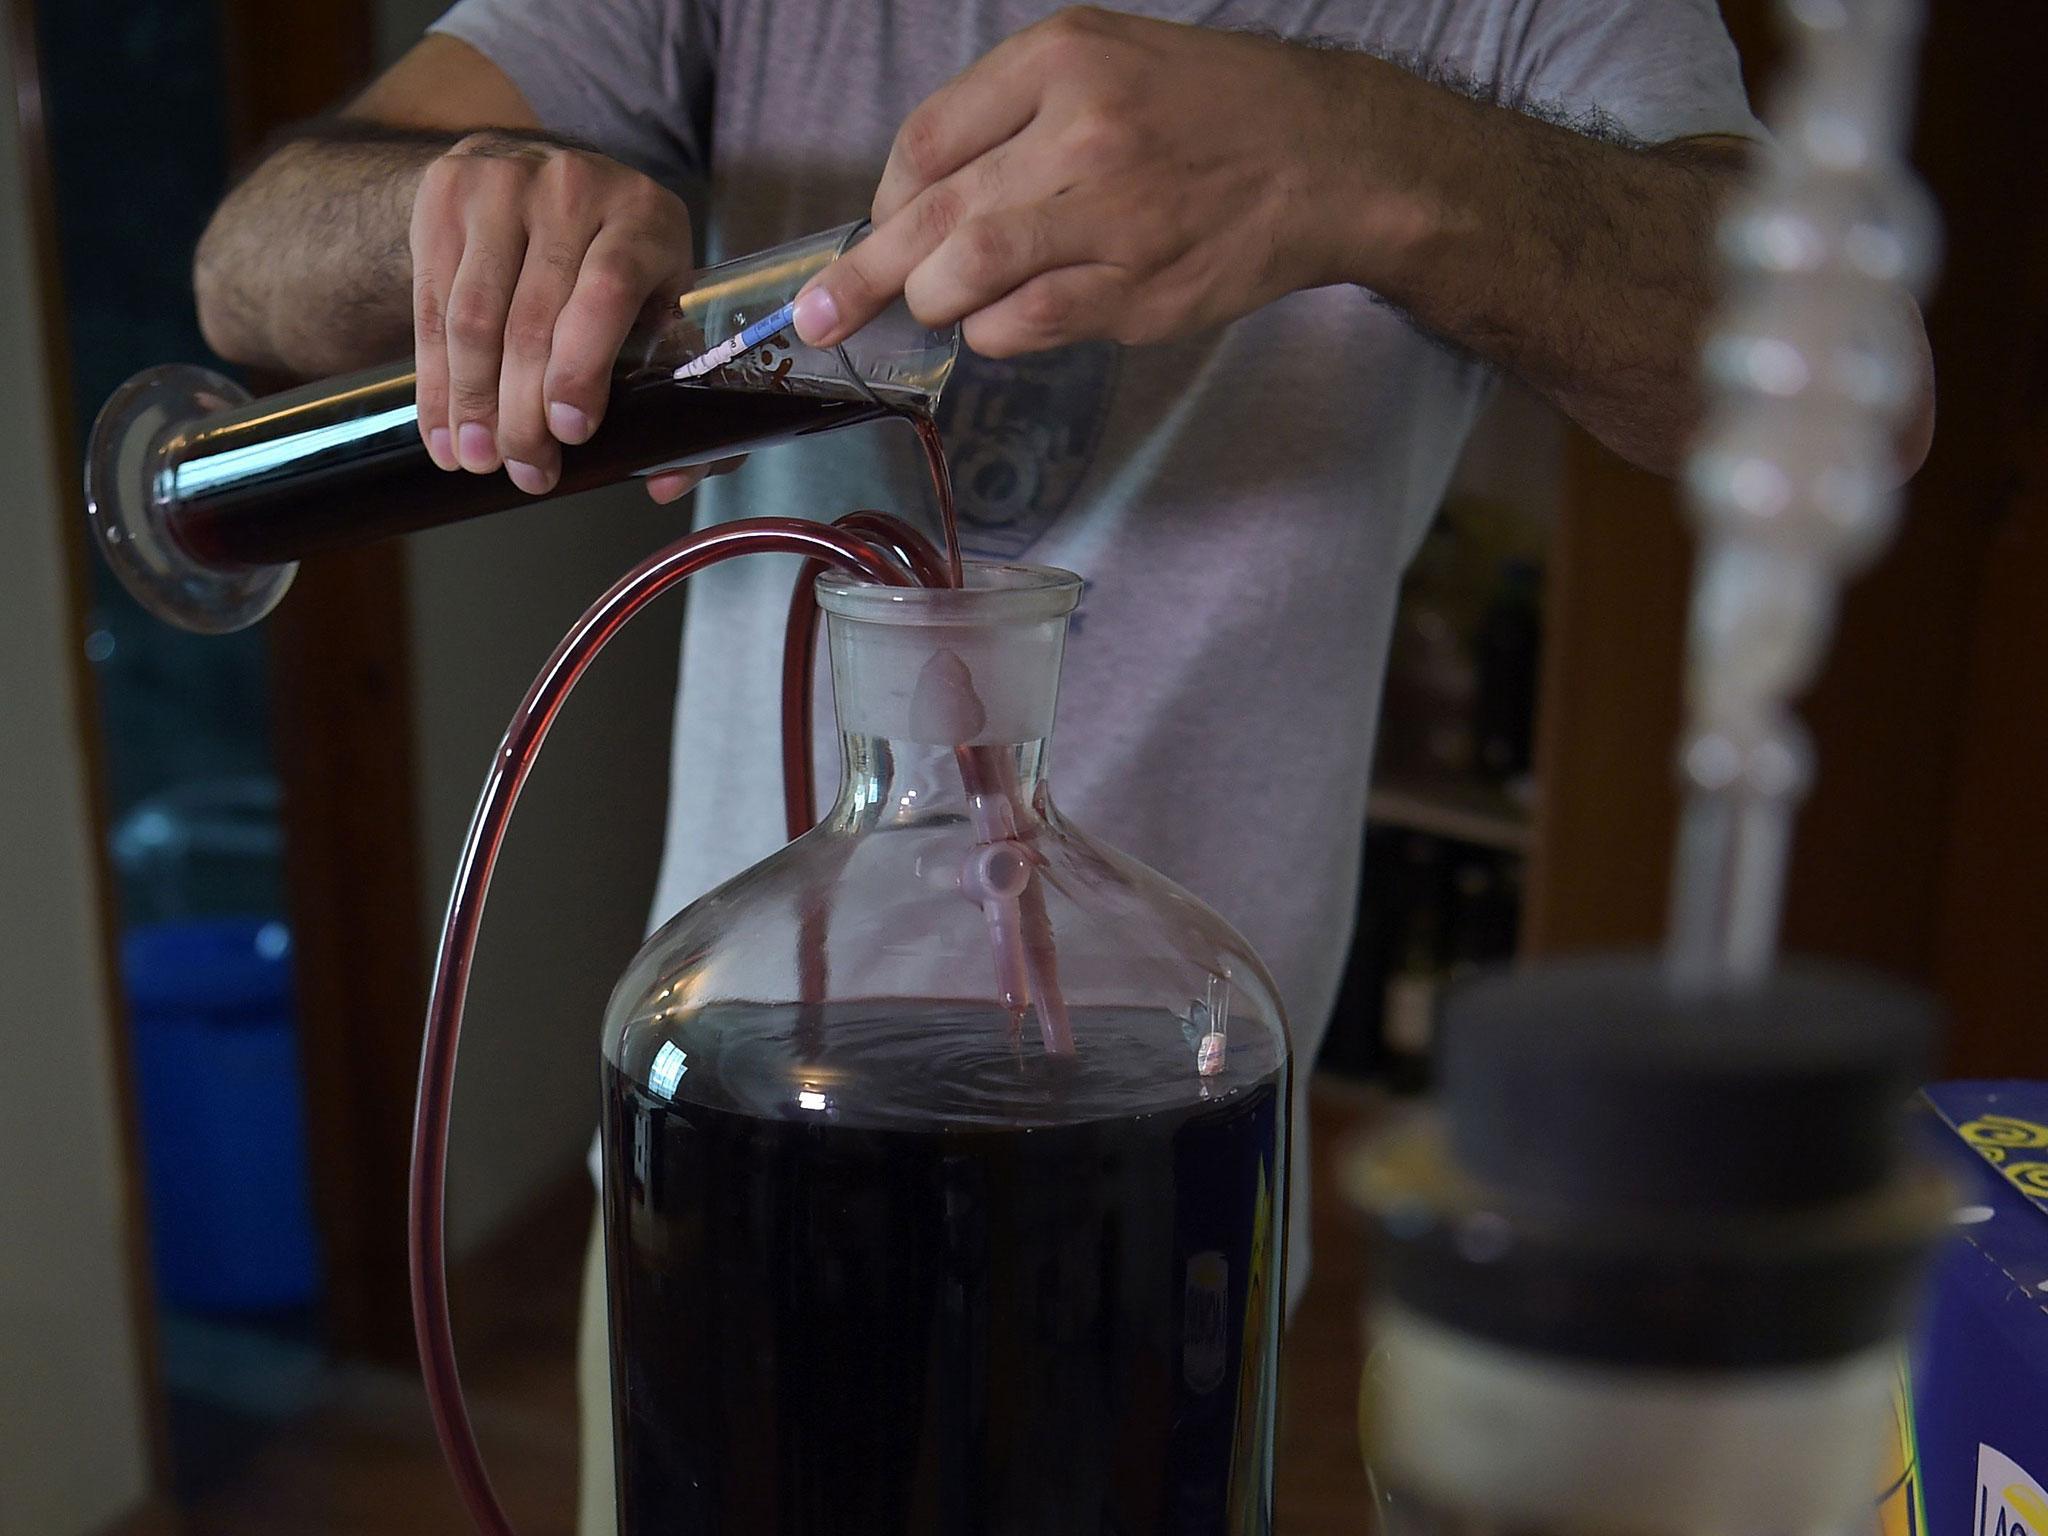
889, 552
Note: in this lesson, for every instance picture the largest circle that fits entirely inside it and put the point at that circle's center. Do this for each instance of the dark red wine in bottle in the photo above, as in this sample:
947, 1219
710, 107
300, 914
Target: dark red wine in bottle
294, 474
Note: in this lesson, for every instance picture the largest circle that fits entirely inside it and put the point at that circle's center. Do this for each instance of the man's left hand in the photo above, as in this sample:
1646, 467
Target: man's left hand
1096, 175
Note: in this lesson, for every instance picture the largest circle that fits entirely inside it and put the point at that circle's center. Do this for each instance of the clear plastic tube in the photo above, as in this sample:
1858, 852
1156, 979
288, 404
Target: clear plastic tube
873, 544
509, 770
916, 554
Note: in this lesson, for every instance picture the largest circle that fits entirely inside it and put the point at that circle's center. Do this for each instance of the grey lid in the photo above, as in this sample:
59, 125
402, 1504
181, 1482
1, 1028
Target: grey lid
1592, 1082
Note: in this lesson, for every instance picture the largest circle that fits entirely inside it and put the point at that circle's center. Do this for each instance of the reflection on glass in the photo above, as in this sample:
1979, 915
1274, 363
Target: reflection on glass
670, 1063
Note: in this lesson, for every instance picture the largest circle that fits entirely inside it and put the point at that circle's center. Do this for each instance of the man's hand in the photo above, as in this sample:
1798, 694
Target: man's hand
512, 263
1097, 175
1110, 176
530, 263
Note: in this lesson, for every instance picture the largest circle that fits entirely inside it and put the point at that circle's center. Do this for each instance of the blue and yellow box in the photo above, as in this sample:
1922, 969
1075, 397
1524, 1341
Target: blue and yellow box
1973, 1437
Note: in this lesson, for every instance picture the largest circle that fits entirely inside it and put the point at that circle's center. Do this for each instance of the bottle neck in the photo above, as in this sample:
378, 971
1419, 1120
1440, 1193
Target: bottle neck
945, 702
890, 781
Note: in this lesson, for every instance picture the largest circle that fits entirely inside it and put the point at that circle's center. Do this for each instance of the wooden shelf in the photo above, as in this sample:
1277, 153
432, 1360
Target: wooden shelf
1475, 813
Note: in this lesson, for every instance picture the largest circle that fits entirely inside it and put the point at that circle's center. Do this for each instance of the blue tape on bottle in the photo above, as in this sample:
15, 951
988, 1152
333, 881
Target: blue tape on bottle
749, 337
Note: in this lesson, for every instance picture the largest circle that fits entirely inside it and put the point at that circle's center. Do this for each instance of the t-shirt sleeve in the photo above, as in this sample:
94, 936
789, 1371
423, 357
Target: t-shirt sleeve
1652, 70
631, 77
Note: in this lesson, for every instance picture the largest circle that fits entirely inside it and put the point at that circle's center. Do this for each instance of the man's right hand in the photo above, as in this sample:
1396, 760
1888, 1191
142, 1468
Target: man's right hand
530, 263
514, 265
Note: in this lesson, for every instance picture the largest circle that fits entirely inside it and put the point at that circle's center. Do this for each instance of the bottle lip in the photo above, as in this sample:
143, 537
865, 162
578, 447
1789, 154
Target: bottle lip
995, 593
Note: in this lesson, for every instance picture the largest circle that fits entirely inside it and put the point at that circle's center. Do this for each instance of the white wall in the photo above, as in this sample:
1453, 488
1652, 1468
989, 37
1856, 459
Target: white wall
73, 1438
570, 899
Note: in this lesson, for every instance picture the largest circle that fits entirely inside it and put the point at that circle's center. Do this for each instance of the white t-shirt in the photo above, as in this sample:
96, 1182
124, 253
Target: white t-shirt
1241, 504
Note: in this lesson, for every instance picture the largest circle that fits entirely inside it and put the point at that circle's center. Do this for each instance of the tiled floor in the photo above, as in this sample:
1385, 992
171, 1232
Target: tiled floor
363, 1461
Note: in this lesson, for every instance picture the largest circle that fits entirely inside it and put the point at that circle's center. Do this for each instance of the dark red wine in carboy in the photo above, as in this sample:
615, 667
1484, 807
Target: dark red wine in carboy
954, 1294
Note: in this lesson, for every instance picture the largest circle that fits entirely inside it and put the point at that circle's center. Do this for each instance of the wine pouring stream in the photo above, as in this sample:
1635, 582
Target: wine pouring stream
1149, 1015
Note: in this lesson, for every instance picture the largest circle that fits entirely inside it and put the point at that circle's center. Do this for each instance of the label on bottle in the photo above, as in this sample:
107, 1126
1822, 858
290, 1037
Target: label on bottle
1205, 1322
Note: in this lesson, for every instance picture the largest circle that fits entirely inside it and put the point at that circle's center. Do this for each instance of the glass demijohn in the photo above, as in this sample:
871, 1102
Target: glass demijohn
944, 1149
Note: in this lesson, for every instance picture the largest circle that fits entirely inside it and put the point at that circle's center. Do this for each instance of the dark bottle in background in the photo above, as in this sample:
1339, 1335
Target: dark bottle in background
1432, 911
1353, 1048
1485, 913
1457, 751
1414, 986
1505, 660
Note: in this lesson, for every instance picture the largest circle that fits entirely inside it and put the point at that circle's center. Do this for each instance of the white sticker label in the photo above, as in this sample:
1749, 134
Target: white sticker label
2010, 1502
1205, 1322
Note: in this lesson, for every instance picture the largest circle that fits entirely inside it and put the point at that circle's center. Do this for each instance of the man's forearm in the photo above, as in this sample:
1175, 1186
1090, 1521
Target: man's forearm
305, 266
1584, 267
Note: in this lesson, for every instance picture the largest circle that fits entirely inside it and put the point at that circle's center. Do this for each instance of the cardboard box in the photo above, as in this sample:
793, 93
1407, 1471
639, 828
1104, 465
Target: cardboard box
1975, 1440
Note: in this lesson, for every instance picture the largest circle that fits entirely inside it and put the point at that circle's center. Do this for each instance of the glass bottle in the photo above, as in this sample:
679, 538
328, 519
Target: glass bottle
1649, 1267
945, 1149
203, 500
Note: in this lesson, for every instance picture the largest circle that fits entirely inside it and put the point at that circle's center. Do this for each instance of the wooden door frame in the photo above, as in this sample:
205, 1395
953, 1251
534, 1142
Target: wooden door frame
342, 722
1989, 476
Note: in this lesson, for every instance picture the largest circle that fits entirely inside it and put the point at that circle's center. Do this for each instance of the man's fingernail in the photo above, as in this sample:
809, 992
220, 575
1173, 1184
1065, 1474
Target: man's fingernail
567, 423
673, 485
530, 478
816, 316
441, 448
476, 447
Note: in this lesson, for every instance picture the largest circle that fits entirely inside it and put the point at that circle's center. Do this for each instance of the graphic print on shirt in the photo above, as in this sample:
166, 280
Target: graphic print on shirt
1021, 433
